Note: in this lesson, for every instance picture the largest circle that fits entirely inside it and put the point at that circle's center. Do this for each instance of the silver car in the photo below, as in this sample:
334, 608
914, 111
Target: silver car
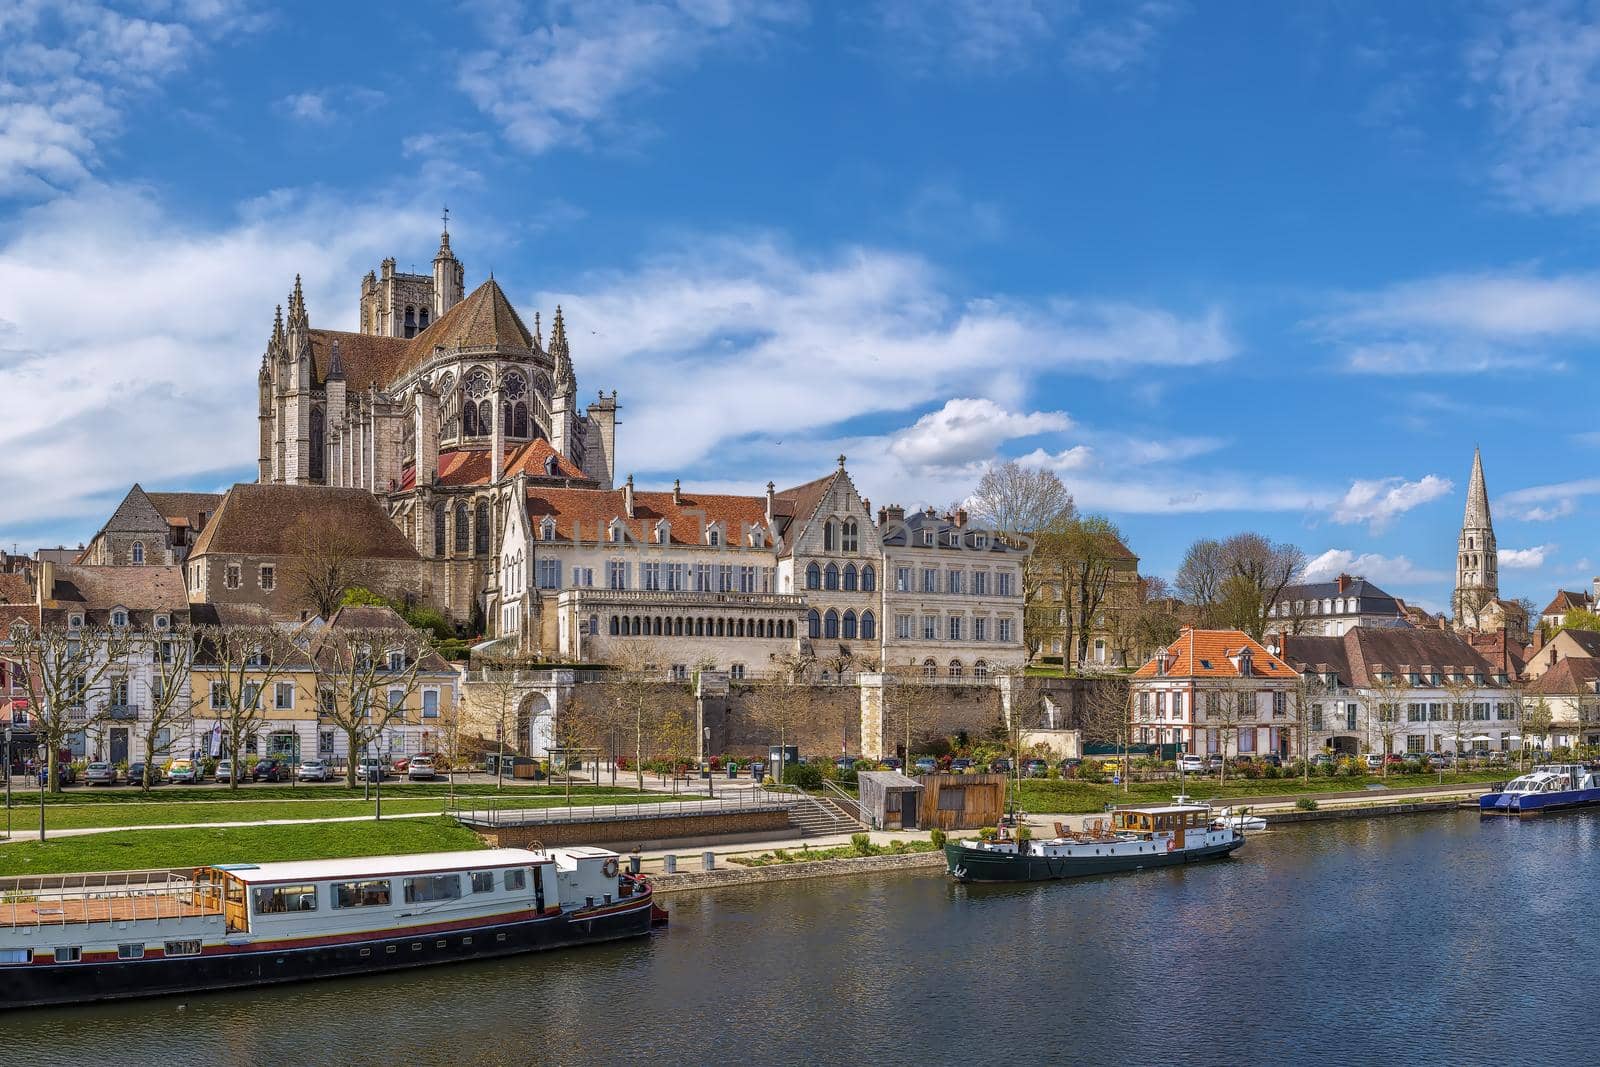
99, 773
313, 770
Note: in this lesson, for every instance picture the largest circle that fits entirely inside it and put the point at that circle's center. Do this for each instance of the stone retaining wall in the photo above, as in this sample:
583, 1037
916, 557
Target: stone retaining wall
1363, 811
784, 872
629, 831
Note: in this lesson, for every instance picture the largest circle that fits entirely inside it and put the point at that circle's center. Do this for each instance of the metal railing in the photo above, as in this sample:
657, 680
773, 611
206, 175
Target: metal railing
513, 811
114, 897
850, 804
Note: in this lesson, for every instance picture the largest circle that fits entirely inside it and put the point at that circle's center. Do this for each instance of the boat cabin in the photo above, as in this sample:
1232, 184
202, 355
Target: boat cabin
1173, 819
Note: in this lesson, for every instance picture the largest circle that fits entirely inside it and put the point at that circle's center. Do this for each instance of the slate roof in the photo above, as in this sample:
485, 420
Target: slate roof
590, 511
1204, 654
1588, 640
267, 520
1364, 652
144, 591
894, 535
1370, 599
1318, 654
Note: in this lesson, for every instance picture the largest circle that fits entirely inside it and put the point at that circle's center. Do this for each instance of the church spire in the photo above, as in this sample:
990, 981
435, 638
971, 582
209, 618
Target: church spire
297, 305
538, 338
565, 381
1477, 515
335, 364
1477, 557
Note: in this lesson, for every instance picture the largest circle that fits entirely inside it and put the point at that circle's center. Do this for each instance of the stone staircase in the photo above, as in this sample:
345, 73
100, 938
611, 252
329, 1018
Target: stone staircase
821, 816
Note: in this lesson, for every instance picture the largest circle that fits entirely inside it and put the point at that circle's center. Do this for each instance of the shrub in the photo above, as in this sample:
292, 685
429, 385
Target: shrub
1024, 832
1352, 769
1329, 770
862, 843
938, 838
804, 775
988, 833
1306, 804
1274, 771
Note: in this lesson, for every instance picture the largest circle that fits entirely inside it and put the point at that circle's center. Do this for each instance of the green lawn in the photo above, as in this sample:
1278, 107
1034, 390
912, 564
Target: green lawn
243, 844
1069, 796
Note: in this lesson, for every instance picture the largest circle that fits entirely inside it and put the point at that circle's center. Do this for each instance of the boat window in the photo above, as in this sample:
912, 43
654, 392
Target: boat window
18, 955
181, 948
130, 952
483, 881
277, 899
433, 887
360, 894
69, 953
516, 879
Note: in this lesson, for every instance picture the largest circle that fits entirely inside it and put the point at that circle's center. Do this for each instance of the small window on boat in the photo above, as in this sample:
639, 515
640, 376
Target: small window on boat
181, 948
277, 899
16, 955
69, 953
516, 879
483, 881
372, 892
130, 952
433, 887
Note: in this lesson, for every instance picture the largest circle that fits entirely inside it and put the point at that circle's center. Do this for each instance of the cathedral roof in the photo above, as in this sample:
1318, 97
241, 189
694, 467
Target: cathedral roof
1477, 515
591, 511
483, 319
471, 466
367, 359
272, 520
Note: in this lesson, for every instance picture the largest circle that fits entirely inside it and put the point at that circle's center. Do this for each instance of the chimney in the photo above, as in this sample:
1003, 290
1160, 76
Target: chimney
677, 493
894, 513
627, 497
1594, 597
961, 517
866, 505
47, 582
1344, 582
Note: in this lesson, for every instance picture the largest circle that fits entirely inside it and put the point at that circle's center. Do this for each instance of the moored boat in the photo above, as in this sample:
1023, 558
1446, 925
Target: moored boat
1548, 787
74, 939
1135, 838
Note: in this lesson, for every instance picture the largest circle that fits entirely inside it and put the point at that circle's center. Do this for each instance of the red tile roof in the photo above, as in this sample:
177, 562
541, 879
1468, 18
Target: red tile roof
471, 467
1568, 676
15, 589
273, 520
591, 512
1565, 600
1205, 654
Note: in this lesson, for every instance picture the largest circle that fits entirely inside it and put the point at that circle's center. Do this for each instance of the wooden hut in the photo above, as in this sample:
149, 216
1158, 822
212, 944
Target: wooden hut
889, 799
961, 801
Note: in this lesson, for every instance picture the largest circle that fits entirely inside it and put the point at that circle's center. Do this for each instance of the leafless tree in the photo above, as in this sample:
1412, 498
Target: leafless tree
909, 706
171, 698
1389, 692
1310, 689
1200, 576
500, 687
785, 705
1470, 602
1014, 499
637, 693
1462, 693
1106, 715
62, 671
1260, 569
365, 677
238, 664
1084, 557
326, 563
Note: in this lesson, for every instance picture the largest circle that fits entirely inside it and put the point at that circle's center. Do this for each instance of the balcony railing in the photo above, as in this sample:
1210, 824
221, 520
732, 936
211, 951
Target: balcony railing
686, 598
121, 712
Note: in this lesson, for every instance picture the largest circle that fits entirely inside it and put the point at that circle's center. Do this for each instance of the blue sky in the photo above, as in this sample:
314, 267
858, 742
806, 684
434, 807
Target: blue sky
1224, 266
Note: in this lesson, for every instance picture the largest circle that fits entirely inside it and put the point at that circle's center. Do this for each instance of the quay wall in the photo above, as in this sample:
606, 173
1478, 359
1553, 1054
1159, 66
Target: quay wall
785, 872
625, 830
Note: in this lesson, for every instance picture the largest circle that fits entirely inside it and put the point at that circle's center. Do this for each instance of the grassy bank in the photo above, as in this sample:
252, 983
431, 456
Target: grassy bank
842, 852
1068, 796
241, 844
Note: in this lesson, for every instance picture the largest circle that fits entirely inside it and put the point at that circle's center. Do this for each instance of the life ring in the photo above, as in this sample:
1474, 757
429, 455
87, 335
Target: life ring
1172, 844
611, 868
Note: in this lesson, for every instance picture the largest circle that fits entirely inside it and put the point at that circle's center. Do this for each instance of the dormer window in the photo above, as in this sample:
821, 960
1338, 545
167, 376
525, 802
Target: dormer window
547, 529
161, 622
614, 532
927, 537
663, 532
75, 622
714, 536
758, 539
119, 618
980, 541
397, 660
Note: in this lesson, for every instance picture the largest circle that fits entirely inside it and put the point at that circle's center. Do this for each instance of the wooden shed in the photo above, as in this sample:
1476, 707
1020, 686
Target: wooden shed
889, 800
961, 801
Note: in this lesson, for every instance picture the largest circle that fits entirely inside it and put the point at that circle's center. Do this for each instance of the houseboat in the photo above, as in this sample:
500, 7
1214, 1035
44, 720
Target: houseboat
75, 939
1549, 787
1134, 838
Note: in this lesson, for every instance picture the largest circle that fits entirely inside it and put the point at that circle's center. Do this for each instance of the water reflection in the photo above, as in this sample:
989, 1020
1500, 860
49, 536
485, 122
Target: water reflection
1431, 939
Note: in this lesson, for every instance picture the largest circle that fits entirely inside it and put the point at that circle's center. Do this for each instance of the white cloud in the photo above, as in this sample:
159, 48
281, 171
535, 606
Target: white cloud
1539, 73
861, 332
1542, 503
68, 70
551, 76
307, 107
1514, 559
1096, 40
321, 107
1379, 568
94, 396
1377, 501
967, 430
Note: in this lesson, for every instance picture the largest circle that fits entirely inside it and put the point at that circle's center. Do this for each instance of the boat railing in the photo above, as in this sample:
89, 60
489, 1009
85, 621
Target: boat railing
514, 811
104, 897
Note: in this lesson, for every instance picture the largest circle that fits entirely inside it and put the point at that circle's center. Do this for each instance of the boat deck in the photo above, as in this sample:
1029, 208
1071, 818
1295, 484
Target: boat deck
121, 907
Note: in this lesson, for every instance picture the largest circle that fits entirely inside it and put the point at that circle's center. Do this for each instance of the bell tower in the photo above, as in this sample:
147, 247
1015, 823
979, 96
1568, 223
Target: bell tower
1477, 566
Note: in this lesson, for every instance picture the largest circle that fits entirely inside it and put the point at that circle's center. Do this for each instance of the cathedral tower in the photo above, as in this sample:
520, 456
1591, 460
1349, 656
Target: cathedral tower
1477, 568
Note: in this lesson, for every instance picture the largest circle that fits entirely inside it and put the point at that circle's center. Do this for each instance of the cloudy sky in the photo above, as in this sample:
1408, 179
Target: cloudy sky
1223, 266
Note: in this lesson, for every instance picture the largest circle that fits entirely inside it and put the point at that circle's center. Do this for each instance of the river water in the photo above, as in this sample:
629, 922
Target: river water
1425, 939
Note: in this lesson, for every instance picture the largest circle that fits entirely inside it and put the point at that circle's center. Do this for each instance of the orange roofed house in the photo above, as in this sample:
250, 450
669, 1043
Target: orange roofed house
1215, 691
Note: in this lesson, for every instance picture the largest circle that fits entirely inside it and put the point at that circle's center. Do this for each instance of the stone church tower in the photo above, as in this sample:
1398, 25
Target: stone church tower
1477, 567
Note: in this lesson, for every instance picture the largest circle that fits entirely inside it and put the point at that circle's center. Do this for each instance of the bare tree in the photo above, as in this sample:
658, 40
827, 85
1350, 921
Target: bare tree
1200, 576
1107, 717
1013, 499
1470, 602
365, 677
502, 688
1258, 570
1462, 692
785, 705
637, 694
325, 564
62, 670
1309, 692
1389, 691
909, 705
238, 664
1085, 556
171, 699
1536, 720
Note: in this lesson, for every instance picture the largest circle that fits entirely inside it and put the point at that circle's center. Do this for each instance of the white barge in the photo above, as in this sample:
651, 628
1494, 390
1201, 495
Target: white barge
75, 939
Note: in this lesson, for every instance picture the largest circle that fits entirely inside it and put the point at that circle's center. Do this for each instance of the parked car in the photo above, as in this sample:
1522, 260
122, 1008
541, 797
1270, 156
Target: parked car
1069, 767
1271, 759
183, 771
925, 765
273, 769
420, 769
1036, 768
1441, 759
371, 770
1374, 761
136, 773
1321, 759
100, 773
1213, 763
1191, 763
399, 764
1394, 760
845, 763
313, 770
1000, 766
960, 766
892, 763
64, 774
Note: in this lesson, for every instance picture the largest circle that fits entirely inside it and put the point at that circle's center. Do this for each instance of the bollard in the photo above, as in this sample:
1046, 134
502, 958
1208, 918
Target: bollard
708, 861
669, 864
633, 863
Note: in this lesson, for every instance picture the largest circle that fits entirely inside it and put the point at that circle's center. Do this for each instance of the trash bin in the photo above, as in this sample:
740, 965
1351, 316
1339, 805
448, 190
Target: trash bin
669, 864
708, 861
733, 770
705, 770
633, 863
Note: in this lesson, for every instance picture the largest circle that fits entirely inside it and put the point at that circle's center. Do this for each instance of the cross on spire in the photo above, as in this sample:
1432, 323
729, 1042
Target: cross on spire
445, 218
